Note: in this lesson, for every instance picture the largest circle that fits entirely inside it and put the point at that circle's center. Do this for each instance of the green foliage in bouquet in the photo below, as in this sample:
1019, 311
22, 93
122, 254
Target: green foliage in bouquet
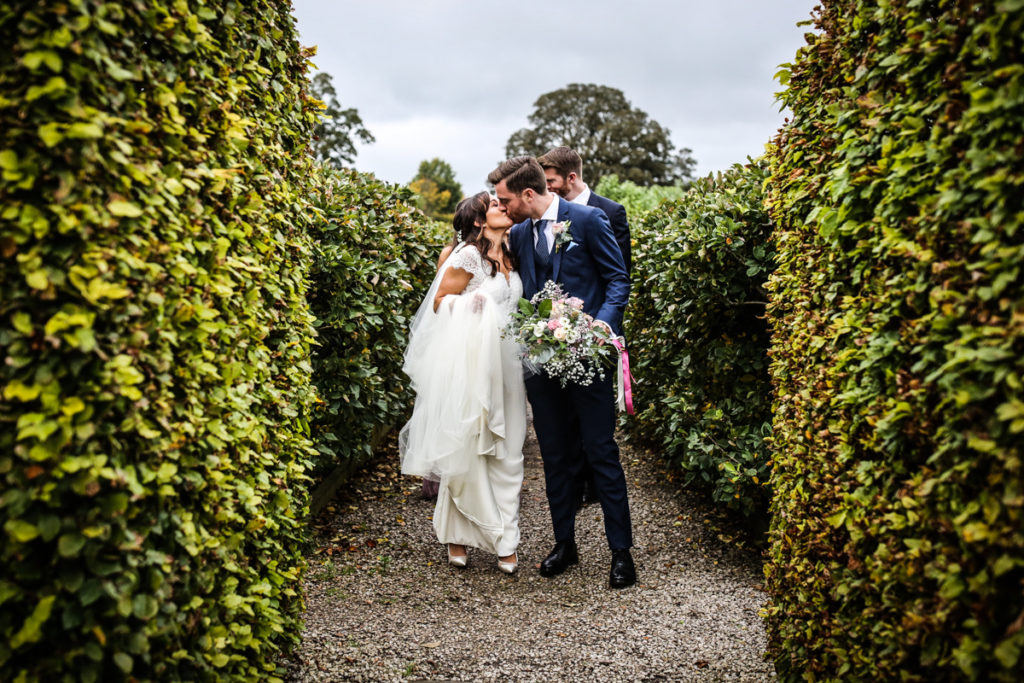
897, 542
375, 256
155, 337
697, 338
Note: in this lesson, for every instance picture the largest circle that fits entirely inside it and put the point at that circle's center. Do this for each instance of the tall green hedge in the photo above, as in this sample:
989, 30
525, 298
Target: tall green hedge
697, 335
155, 339
897, 545
375, 255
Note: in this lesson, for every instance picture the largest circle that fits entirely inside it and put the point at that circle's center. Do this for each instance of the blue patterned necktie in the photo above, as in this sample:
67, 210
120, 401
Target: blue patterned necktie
542, 251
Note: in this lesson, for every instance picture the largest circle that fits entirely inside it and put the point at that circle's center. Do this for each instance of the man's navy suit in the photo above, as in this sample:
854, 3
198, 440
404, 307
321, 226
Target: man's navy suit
620, 226
591, 268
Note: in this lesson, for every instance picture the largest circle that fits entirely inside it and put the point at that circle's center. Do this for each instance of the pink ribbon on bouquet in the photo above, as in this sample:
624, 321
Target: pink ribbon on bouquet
625, 383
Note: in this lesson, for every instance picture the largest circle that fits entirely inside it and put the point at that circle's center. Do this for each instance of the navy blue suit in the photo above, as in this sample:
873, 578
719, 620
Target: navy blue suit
592, 269
620, 226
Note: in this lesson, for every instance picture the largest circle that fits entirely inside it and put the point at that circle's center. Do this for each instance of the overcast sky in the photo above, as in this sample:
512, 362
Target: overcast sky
455, 78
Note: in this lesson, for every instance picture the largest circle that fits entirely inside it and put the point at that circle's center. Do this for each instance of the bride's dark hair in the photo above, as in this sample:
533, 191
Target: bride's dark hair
469, 212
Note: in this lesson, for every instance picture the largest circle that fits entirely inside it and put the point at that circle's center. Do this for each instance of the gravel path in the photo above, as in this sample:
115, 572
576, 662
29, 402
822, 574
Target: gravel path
383, 604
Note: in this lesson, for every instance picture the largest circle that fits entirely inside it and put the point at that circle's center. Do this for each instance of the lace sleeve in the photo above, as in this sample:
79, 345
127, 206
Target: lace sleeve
468, 259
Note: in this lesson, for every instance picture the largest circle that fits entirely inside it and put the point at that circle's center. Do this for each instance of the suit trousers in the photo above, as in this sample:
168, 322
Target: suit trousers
554, 408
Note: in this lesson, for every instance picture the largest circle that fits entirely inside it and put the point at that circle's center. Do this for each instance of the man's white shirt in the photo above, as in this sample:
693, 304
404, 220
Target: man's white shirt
551, 216
582, 197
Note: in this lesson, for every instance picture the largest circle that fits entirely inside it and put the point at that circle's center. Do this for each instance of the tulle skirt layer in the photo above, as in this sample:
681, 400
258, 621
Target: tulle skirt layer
468, 424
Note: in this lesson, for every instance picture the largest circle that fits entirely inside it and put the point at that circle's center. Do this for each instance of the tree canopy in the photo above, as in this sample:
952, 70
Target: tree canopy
335, 136
609, 133
436, 189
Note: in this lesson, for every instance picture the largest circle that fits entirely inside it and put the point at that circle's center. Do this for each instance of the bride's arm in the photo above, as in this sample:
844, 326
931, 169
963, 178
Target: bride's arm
445, 253
454, 281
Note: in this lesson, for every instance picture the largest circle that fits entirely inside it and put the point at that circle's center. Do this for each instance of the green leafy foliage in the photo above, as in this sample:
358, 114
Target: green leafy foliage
698, 339
374, 259
897, 542
156, 336
638, 198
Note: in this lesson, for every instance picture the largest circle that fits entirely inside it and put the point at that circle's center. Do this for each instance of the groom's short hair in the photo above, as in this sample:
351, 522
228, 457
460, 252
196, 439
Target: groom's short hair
520, 173
564, 160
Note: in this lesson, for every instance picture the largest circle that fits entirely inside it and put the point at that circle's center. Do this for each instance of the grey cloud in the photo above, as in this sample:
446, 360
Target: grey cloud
702, 69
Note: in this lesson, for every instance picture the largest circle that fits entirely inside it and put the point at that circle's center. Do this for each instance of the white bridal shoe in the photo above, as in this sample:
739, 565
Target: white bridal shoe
508, 567
457, 560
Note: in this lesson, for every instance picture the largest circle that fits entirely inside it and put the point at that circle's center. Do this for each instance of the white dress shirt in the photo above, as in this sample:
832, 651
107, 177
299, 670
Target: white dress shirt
550, 215
583, 197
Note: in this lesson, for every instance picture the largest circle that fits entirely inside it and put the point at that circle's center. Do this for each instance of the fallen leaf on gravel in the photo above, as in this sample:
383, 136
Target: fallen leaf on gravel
433, 643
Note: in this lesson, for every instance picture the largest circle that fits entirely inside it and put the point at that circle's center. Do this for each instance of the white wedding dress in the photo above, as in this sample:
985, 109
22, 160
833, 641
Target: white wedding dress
469, 420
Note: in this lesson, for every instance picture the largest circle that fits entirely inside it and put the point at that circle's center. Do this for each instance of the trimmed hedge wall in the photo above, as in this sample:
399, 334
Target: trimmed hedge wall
155, 337
897, 543
374, 259
699, 341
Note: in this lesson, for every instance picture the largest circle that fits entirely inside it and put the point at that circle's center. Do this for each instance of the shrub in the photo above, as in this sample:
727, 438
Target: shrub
897, 542
636, 198
698, 339
155, 336
374, 258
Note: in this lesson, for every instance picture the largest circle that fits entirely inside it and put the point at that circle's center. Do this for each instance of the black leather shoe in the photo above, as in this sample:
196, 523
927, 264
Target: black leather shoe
562, 556
623, 571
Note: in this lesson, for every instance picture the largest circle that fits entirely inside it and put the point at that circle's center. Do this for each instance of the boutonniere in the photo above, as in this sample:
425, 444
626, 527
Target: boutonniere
561, 233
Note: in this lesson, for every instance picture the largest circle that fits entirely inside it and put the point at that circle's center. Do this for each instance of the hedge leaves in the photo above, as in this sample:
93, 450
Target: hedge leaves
897, 547
155, 337
699, 345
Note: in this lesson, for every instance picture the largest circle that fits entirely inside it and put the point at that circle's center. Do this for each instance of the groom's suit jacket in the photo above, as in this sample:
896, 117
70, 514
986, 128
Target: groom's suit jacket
590, 267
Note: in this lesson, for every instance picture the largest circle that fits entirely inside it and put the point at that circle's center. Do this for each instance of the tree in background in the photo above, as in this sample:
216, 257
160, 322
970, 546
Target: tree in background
334, 138
609, 133
436, 189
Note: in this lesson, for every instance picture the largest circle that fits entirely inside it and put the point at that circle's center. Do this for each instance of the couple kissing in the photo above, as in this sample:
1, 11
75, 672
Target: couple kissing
469, 418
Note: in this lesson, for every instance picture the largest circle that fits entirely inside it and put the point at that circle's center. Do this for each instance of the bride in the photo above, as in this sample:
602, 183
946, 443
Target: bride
469, 419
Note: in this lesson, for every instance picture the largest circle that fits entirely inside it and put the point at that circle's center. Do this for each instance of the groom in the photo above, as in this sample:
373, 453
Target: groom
589, 267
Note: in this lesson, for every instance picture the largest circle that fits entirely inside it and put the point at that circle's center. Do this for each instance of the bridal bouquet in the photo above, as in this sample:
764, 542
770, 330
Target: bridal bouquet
556, 336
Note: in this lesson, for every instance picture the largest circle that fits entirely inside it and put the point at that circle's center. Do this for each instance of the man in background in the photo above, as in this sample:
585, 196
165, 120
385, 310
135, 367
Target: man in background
563, 168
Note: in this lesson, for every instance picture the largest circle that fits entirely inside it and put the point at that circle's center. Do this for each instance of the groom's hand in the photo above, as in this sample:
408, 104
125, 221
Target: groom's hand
604, 326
